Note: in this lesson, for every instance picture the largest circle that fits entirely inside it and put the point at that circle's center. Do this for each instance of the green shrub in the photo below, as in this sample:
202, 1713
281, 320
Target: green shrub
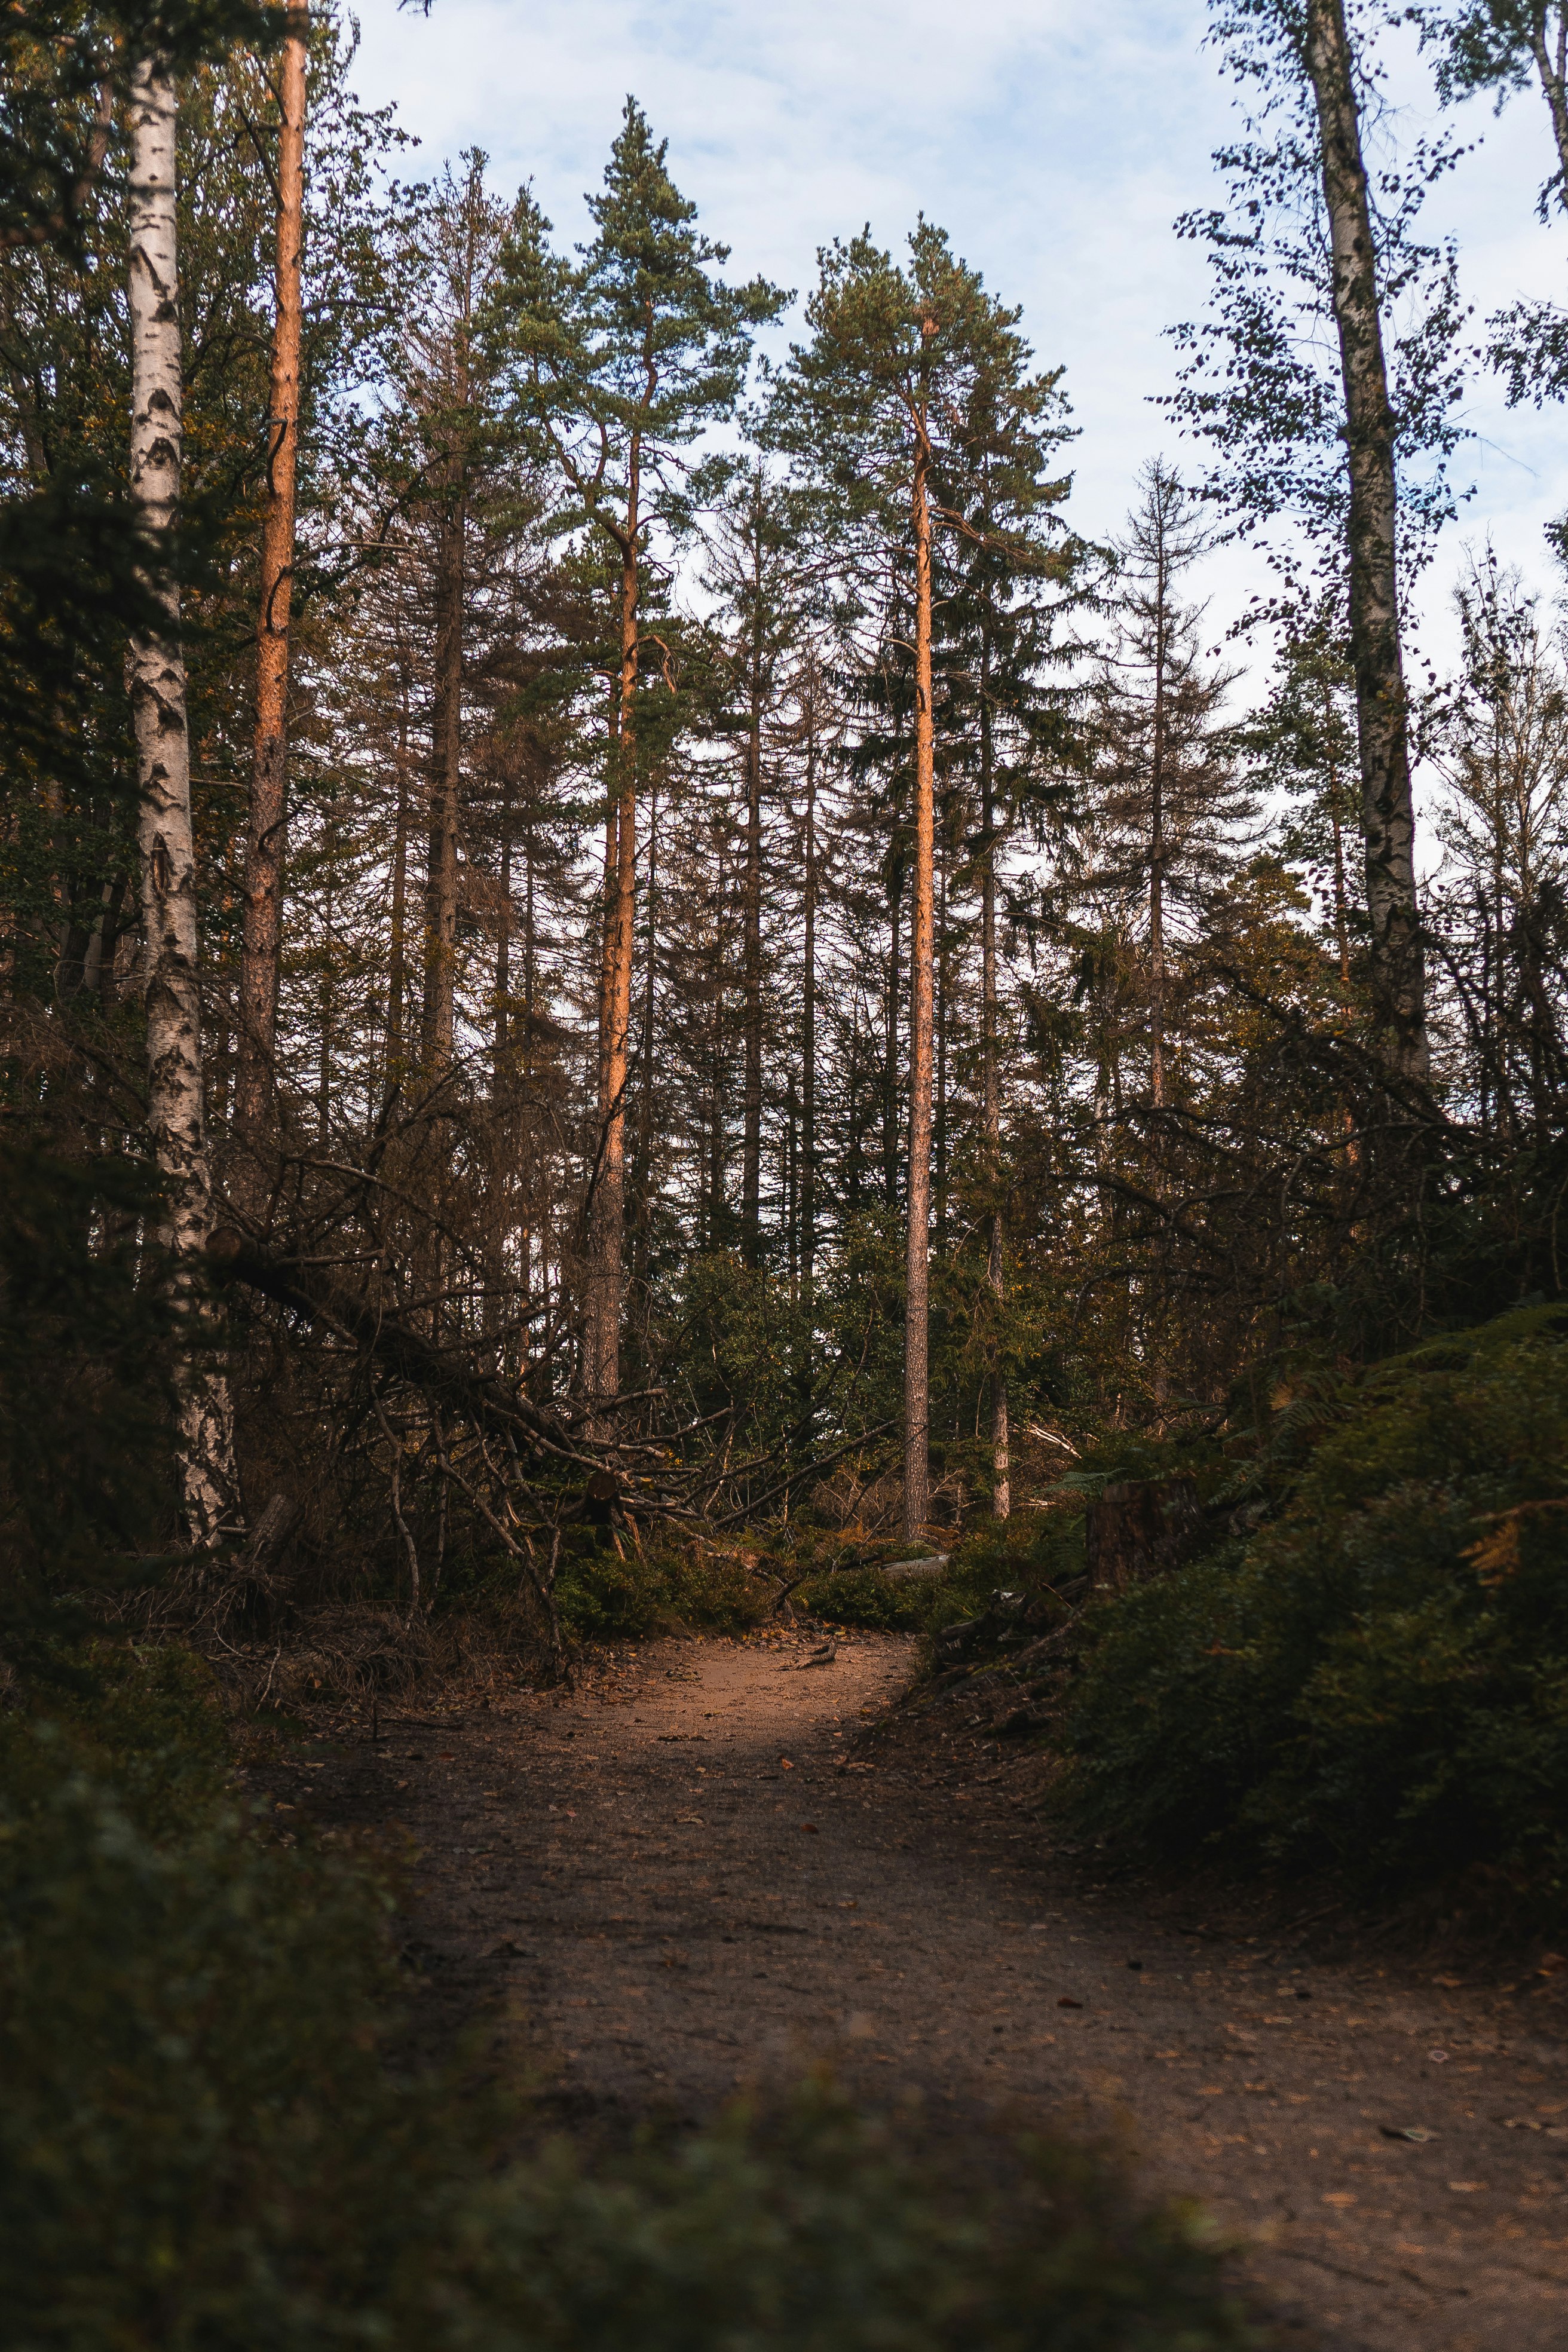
603, 1596
86, 1331
140, 1716
1381, 1677
1033, 1552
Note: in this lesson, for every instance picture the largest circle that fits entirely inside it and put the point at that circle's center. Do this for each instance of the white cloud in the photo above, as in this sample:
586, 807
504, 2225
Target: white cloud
1056, 141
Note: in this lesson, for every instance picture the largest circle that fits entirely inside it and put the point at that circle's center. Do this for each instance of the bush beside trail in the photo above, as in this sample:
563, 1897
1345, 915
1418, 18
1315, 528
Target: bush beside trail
1379, 1679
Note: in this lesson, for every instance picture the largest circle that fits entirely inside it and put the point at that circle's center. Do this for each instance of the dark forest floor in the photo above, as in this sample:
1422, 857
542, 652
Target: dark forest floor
714, 1865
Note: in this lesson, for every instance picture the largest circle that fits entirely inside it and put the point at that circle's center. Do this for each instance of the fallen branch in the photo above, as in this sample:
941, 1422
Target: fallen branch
293, 1283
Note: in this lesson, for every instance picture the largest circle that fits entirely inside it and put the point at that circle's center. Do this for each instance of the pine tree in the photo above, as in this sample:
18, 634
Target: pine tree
617, 363
872, 405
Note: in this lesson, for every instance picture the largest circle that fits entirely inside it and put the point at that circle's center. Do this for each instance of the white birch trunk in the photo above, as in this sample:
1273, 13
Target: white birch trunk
1388, 819
157, 680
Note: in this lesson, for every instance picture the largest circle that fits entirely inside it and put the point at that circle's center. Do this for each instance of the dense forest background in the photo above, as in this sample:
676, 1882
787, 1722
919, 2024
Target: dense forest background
641, 990
614, 925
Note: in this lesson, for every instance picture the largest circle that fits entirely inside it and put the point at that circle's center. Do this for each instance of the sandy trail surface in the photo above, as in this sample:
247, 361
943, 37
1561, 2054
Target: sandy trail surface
718, 1862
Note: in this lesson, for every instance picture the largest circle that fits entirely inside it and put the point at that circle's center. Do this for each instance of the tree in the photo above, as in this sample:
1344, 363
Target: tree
1494, 45
269, 791
1500, 743
616, 363
1302, 745
157, 678
1008, 742
876, 406
756, 552
1306, 248
1166, 815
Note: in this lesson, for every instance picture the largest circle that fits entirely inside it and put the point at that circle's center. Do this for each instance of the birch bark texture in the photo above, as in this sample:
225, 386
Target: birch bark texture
265, 839
1388, 823
156, 673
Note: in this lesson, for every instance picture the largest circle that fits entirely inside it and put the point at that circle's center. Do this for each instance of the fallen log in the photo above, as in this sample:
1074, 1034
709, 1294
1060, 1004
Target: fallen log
307, 1290
904, 1571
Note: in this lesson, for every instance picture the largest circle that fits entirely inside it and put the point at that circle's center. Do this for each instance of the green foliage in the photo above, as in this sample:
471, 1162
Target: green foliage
202, 2144
605, 1595
816, 2232
84, 1370
141, 1719
1034, 1553
198, 2134
1380, 1678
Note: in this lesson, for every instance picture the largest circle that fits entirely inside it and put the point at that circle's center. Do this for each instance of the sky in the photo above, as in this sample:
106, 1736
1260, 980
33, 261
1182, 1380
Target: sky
1056, 141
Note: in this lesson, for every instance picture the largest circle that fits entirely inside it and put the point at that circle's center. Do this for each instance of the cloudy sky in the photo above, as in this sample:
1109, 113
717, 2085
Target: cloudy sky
1055, 139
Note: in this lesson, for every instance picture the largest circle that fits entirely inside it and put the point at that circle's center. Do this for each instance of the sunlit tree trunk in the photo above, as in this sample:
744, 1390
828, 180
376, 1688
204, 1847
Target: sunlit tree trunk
265, 833
642, 1176
917, 1396
608, 1217
808, 1036
1388, 823
157, 680
752, 968
751, 912
991, 1104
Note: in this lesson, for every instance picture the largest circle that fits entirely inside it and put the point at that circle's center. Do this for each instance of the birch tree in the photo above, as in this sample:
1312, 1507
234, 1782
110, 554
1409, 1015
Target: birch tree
156, 671
1500, 46
1308, 257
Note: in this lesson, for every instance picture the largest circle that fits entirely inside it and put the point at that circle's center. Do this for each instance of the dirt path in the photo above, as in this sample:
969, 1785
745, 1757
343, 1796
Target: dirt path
698, 1875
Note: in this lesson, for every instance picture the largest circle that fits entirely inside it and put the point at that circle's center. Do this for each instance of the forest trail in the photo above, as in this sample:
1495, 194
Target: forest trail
696, 1873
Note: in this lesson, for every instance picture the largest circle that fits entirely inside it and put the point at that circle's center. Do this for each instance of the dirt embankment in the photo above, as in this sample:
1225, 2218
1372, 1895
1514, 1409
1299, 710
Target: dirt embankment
698, 1873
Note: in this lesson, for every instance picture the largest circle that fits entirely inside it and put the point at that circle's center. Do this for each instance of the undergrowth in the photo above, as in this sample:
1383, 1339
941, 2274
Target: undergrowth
1378, 1679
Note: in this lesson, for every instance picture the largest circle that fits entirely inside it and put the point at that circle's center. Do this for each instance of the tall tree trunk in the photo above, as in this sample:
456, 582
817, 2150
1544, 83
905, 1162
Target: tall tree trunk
437, 1020
266, 829
752, 967
438, 1015
917, 1396
809, 1038
397, 958
1342, 893
890, 1042
751, 913
938, 1111
1550, 51
1157, 835
642, 1165
156, 670
991, 1105
608, 1220
1388, 823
